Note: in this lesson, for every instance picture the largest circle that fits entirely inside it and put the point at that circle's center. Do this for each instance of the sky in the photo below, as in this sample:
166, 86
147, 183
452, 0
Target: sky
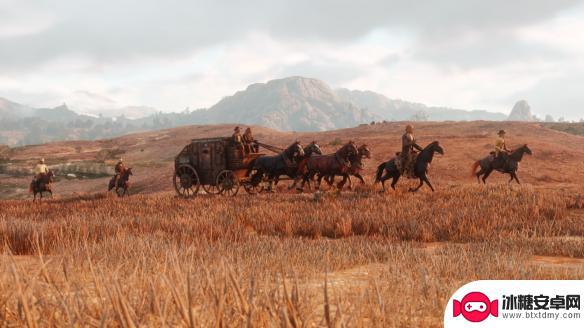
99, 56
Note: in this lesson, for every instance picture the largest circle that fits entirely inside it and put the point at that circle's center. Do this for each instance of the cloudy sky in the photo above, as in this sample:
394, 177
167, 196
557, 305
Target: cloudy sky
172, 54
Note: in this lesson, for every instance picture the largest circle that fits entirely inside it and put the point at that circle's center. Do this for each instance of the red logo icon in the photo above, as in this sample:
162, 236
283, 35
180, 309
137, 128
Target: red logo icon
476, 307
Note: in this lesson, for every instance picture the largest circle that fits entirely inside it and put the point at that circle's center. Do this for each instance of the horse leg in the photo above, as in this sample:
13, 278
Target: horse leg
385, 178
486, 175
341, 183
427, 181
418, 187
330, 179
293, 184
478, 174
514, 175
394, 181
319, 181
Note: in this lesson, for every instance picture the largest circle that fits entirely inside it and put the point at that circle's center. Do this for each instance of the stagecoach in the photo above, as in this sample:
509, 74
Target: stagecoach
217, 166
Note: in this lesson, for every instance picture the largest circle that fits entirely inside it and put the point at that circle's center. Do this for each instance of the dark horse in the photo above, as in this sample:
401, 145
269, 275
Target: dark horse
285, 163
355, 169
123, 183
312, 149
325, 165
42, 184
420, 168
508, 165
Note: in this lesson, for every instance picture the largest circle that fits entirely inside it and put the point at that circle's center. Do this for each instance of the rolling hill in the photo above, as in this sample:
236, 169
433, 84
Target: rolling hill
288, 104
557, 160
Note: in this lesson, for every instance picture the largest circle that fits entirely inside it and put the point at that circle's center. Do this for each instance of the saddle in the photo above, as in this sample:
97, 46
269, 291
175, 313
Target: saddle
406, 171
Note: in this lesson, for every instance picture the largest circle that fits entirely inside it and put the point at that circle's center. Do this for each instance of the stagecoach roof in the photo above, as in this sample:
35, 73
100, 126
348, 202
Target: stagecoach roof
215, 139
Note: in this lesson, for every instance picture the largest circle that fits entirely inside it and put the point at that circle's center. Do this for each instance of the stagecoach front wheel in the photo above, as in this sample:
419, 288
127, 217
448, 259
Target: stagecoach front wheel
227, 183
255, 185
186, 181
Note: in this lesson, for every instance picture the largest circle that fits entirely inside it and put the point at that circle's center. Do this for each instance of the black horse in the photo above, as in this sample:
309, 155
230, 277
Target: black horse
355, 170
509, 164
42, 184
285, 163
123, 186
420, 168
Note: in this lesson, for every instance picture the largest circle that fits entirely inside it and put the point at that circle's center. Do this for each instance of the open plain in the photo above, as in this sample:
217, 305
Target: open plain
350, 258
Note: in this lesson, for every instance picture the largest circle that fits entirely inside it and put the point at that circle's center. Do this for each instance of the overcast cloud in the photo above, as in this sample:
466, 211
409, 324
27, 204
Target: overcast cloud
176, 54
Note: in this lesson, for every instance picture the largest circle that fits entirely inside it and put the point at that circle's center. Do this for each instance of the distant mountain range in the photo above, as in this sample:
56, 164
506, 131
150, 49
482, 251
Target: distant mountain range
289, 104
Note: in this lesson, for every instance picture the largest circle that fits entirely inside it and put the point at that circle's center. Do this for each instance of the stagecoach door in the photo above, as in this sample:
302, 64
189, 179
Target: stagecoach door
205, 163
211, 161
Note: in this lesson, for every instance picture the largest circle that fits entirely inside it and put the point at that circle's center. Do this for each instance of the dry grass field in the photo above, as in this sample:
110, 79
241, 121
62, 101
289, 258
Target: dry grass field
360, 258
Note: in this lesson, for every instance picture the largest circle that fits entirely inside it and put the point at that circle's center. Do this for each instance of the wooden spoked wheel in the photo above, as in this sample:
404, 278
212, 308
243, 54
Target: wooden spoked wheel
253, 187
186, 181
227, 183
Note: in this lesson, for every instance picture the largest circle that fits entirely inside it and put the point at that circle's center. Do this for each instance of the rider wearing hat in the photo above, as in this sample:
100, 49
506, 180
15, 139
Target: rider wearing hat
248, 141
40, 170
120, 168
407, 153
500, 148
238, 139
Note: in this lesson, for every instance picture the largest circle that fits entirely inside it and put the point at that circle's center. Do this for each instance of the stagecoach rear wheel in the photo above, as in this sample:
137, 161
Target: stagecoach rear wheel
227, 183
252, 186
211, 189
186, 181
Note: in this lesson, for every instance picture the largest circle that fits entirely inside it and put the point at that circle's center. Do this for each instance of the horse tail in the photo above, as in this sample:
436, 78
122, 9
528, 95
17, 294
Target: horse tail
475, 165
380, 169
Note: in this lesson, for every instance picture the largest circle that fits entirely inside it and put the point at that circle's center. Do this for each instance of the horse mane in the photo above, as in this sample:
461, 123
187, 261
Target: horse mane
432, 144
517, 153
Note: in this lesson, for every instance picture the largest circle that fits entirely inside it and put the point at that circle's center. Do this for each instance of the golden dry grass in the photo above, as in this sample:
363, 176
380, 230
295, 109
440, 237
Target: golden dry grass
358, 258
350, 259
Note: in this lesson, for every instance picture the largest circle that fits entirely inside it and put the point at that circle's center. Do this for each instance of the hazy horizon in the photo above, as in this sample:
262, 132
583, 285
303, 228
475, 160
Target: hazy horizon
471, 55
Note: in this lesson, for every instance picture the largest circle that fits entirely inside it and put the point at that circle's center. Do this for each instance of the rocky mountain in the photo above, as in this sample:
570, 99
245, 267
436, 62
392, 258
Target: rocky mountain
399, 110
292, 104
288, 104
521, 112
12, 110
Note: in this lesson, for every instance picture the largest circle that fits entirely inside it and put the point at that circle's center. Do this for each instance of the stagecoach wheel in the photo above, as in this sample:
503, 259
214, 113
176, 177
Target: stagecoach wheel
186, 181
254, 187
227, 183
211, 190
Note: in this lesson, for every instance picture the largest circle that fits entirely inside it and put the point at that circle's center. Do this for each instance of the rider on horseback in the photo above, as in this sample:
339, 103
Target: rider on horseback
407, 154
501, 150
120, 169
40, 171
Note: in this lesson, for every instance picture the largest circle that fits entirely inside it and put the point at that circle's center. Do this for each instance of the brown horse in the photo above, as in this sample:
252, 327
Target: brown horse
123, 183
355, 169
509, 164
42, 184
325, 165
